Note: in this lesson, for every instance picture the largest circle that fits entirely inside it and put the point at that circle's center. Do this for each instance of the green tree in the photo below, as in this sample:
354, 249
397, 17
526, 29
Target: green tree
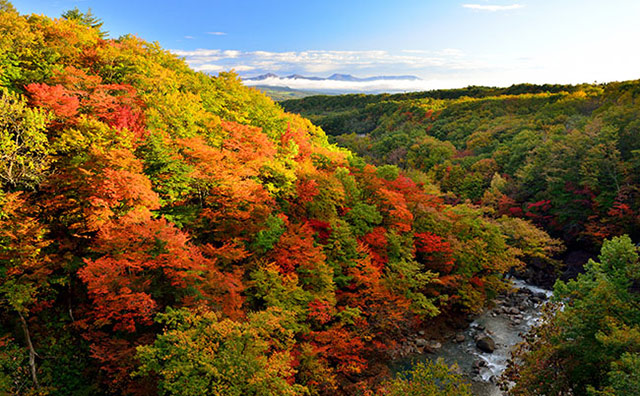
24, 145
86, 19
203, 354
427, 379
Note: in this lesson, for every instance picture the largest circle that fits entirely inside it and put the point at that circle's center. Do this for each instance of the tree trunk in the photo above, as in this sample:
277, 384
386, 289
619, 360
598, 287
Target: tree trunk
32, 352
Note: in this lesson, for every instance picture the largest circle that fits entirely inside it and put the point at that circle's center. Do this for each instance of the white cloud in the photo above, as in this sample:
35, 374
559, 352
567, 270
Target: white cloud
189, 37
210, 68
325, 62
492, 7
198, 52
217, 33
243, 68
231, 54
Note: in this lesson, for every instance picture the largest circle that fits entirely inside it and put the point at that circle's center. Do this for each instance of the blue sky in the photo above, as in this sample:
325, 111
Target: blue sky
445, 43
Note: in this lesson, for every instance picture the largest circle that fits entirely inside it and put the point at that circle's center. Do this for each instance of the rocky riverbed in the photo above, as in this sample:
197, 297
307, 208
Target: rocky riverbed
482, 349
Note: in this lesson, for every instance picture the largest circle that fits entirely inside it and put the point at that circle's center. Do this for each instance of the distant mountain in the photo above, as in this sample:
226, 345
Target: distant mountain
333, 77
262, 77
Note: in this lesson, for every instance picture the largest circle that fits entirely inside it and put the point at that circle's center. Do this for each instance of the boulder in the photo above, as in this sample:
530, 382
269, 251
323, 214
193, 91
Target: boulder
513, 310
460, 337
479, 327
542, 296
421, 342
477, 364
486, 344
435, 345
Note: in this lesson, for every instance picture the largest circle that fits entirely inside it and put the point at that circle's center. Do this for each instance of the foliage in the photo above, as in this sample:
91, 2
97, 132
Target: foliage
23, 142
427, 379
565, 153
591, 343
86, 19
184, 227
201, 354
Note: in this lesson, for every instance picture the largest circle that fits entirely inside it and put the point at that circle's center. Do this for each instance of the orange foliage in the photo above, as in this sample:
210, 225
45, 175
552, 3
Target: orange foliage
297, 249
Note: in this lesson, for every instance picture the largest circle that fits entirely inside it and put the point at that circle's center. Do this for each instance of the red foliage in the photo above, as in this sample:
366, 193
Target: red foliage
543, 205
135, 256
342, 348
249, 144
434, 251
322, 228
621, 211
296, 248
319, 311
55, 99
307, 190
477, 282
301, 139
377, 241
117, 105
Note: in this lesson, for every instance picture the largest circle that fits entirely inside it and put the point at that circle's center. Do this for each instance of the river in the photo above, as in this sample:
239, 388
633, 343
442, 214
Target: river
513, 315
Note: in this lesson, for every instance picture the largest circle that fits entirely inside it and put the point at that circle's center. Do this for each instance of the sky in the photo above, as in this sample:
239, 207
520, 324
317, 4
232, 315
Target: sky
447, 44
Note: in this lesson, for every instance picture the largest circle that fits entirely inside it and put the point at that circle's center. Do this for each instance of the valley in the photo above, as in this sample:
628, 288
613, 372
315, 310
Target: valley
167, 228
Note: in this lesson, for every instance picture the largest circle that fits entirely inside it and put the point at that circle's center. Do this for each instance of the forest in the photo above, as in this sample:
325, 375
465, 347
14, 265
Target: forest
564, 157
164, 231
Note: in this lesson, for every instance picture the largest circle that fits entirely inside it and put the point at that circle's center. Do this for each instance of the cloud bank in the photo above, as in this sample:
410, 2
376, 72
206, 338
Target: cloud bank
445, 68
441, 63
380, 85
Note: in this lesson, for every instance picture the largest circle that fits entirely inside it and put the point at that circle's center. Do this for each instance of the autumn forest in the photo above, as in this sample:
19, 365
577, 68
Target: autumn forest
169, 232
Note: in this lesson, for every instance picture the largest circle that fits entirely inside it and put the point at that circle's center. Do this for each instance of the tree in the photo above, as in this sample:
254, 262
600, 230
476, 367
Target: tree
25, 270
6, 6
200, 353
426, 379
24, 145
86, 19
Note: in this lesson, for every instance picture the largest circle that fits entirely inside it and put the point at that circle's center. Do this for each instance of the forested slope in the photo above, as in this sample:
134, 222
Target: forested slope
565, 157
164, 231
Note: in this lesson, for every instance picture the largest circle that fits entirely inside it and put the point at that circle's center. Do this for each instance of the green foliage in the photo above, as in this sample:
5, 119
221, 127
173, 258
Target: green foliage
201, 354
24, 146
86, 19
388, 172
427, 379
429, 152
591, 345
6, 6
13, 363
271, 289
267, 238
363, 218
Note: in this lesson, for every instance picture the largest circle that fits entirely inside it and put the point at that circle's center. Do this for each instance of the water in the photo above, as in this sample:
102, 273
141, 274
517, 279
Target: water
502, 328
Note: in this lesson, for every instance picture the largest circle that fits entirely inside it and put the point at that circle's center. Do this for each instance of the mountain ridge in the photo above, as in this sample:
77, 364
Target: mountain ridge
333, 77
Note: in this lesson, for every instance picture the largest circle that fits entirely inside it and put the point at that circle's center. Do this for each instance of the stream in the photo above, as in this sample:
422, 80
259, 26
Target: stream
514, 314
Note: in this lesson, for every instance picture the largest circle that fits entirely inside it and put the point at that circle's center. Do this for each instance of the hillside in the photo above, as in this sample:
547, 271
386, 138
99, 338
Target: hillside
283, 93
167, 232
565, 157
